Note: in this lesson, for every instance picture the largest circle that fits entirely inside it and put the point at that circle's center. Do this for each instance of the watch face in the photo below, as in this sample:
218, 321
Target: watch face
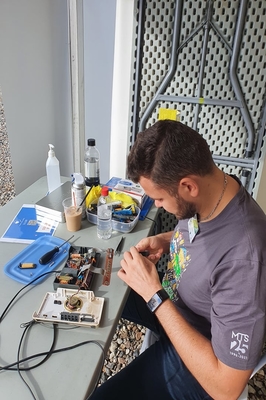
154, 302
157, 299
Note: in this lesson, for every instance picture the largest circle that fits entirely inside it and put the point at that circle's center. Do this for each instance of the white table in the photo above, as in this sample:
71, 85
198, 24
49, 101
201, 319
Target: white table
71, 374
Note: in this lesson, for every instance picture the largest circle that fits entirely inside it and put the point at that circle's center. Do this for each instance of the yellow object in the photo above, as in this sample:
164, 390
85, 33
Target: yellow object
124, 198
95, 193
167, 113
93, 196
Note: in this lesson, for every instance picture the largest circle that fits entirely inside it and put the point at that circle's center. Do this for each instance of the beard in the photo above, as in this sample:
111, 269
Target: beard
185, 210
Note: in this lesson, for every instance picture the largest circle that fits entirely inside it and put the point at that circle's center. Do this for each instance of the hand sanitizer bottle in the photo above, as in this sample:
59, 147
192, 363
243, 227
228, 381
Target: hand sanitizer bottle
52, 170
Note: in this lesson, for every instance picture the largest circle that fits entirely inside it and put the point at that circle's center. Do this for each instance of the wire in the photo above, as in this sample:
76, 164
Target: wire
47, 354
99, 375
155, 226
44, 353
27, 326
153, 220
24, 287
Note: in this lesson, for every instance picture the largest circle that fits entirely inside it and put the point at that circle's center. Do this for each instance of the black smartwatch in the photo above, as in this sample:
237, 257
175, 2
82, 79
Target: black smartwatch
157, 299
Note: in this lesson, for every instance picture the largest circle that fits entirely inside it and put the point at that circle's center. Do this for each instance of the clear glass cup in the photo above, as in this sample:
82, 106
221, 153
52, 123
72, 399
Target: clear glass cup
73, 214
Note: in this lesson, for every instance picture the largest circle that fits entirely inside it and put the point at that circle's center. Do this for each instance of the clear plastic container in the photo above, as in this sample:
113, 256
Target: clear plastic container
124, 227
104, 215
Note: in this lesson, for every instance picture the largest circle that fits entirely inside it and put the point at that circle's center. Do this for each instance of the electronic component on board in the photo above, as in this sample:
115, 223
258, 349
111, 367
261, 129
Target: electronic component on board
79, 269
69, 306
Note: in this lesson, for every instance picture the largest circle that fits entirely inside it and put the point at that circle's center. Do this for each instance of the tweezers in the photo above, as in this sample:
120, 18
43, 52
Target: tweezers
119, 247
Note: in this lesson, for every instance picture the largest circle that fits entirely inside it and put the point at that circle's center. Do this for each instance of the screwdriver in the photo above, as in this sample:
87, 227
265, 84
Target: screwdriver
49, 255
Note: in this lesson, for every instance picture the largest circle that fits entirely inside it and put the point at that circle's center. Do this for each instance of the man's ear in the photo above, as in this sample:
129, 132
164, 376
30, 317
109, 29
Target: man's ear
188, 187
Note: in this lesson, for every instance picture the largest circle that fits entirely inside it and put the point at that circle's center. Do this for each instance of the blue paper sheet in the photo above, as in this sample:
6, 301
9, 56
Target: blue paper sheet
27, 226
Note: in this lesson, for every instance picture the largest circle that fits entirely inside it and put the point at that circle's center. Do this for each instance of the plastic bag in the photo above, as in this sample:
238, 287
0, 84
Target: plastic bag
93, 196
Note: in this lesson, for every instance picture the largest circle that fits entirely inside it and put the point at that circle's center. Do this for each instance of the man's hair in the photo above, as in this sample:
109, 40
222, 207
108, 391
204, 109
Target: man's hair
168, 151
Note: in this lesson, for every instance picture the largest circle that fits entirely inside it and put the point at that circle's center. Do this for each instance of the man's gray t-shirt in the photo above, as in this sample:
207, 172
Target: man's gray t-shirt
218, 281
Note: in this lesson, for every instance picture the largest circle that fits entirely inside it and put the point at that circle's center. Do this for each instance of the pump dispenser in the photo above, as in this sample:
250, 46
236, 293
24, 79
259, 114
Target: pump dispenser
52, 170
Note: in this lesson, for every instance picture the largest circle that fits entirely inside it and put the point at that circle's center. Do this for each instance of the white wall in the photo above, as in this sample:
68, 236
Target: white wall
35, 82
99, 36
122, 86
36, 86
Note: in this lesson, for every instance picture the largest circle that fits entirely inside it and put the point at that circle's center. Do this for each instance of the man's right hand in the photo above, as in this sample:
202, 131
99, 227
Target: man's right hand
155, 245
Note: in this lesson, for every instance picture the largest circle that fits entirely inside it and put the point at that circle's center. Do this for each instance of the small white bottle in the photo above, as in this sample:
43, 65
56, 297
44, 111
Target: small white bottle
92, 164
78, 190
104, 215
52, 170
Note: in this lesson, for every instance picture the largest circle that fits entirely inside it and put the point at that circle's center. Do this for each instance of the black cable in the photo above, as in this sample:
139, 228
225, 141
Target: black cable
99, 375
8, 367
48, 355
24, 287
27, 326
153, 220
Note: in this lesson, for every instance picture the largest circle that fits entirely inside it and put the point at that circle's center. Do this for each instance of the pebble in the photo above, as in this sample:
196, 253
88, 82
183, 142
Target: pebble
124, 348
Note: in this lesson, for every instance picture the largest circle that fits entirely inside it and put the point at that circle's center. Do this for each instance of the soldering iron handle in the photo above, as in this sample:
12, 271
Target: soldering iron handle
48, 256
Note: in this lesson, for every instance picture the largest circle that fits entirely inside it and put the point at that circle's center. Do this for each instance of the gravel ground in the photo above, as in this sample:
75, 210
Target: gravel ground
128, 337
124, 348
